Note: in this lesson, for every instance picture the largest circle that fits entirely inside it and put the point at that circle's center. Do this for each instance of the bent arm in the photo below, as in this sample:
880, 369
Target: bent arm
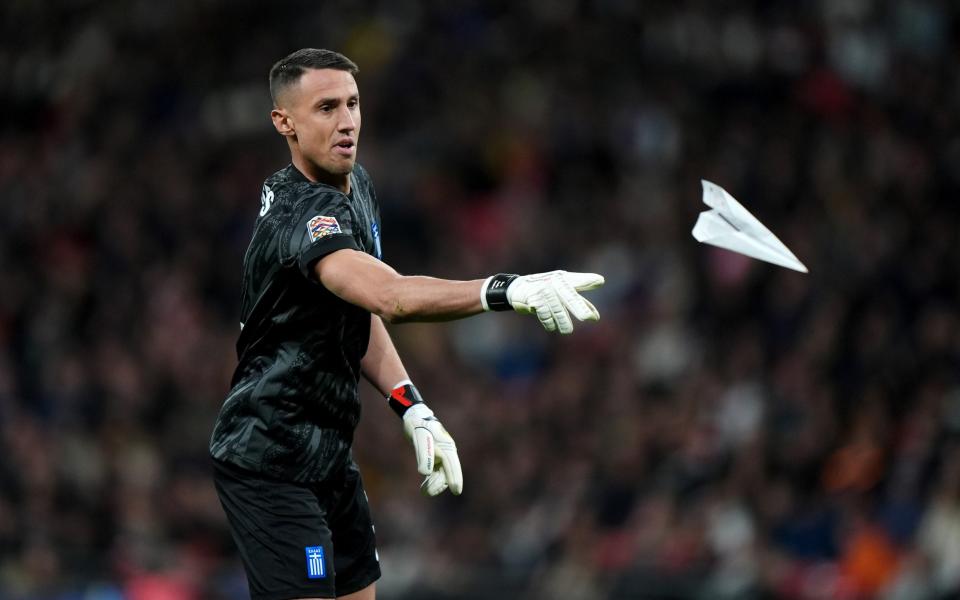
381, 365
361, 279
436, 451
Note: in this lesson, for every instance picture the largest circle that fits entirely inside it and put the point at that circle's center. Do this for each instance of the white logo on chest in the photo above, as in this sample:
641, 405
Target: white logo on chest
266, 199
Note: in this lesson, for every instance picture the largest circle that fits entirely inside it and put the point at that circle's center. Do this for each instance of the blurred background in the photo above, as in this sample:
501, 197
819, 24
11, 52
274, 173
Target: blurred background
730, 429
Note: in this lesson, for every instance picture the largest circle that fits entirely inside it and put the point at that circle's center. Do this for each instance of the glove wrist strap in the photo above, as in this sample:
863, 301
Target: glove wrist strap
493, 294
403, 397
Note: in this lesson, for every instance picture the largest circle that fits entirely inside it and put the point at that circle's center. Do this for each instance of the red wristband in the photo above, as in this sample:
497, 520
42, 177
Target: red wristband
403, 397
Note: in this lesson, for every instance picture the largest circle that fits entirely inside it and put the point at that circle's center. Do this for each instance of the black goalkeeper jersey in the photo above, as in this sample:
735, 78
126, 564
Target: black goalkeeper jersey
294, 402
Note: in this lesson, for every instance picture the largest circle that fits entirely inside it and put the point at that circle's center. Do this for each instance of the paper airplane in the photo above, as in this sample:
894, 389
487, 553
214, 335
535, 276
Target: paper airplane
729, 225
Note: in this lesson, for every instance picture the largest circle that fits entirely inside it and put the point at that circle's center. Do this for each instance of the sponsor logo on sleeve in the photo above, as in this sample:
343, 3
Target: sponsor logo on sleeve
315, 566
321, 226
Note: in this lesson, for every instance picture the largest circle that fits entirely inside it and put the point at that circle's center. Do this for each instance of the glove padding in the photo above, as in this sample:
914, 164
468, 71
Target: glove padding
554, 297
436, 451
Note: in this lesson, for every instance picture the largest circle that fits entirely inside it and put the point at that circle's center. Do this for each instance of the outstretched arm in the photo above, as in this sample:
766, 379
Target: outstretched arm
363, 280
366, 282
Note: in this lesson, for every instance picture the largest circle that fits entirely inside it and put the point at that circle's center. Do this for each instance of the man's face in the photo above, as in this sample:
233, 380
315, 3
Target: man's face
322, 112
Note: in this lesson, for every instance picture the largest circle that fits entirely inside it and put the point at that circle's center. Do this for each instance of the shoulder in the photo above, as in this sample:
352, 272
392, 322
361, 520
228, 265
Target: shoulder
285, 177
294, 189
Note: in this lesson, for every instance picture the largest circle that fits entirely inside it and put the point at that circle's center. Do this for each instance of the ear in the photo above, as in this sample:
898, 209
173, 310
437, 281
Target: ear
283, 122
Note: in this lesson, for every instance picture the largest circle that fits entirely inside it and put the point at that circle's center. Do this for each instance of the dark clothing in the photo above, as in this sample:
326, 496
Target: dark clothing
294, 403
300, 540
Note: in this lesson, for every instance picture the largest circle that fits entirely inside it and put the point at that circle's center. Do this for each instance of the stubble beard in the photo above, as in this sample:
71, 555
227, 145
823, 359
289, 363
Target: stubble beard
335, 167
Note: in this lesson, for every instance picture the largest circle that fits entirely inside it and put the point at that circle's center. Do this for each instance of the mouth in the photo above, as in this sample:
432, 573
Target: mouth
345, 147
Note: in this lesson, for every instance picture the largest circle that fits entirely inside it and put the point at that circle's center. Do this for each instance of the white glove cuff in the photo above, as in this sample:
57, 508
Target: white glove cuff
418, 411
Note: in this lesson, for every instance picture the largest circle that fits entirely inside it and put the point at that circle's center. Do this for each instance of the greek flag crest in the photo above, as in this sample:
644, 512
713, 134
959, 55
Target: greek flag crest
315, 565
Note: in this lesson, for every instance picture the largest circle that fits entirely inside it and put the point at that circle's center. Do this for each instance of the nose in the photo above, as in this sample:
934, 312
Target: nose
347, 122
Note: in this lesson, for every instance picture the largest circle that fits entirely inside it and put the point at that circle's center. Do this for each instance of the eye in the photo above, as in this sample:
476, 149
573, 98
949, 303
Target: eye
353, 103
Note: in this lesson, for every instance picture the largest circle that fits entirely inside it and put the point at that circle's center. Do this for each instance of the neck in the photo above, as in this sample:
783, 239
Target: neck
318, 175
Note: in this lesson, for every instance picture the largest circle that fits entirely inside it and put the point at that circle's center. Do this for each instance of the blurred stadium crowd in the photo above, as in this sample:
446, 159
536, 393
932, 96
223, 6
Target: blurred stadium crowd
729, 430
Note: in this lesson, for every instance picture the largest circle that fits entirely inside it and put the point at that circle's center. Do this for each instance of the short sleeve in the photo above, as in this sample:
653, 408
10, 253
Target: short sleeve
325, 224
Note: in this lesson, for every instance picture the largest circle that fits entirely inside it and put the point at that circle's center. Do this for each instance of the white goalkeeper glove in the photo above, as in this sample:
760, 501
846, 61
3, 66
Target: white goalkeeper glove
553, 296
436, 451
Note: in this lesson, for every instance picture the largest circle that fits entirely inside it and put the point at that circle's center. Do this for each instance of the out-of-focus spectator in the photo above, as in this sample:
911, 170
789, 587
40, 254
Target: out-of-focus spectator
727, 430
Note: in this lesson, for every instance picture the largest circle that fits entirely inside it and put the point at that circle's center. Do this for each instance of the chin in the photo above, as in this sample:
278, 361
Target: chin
342, 167
335, 168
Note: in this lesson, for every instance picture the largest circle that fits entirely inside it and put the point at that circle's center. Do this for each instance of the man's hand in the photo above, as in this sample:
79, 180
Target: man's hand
553, 296
436, 451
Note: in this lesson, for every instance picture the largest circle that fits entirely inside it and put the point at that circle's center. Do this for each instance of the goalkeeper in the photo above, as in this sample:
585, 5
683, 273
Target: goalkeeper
314, 300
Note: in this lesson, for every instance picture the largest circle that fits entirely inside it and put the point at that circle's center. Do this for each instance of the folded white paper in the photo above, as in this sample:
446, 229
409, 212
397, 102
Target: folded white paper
729, 225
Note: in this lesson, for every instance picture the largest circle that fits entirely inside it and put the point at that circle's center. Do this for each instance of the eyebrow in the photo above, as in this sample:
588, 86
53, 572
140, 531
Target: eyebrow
335, 100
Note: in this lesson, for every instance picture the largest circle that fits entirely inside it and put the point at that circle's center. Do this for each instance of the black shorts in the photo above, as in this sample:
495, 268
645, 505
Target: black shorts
300, 540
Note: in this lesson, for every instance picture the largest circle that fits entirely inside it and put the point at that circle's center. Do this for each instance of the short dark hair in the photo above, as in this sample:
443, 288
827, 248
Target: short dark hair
290, 68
